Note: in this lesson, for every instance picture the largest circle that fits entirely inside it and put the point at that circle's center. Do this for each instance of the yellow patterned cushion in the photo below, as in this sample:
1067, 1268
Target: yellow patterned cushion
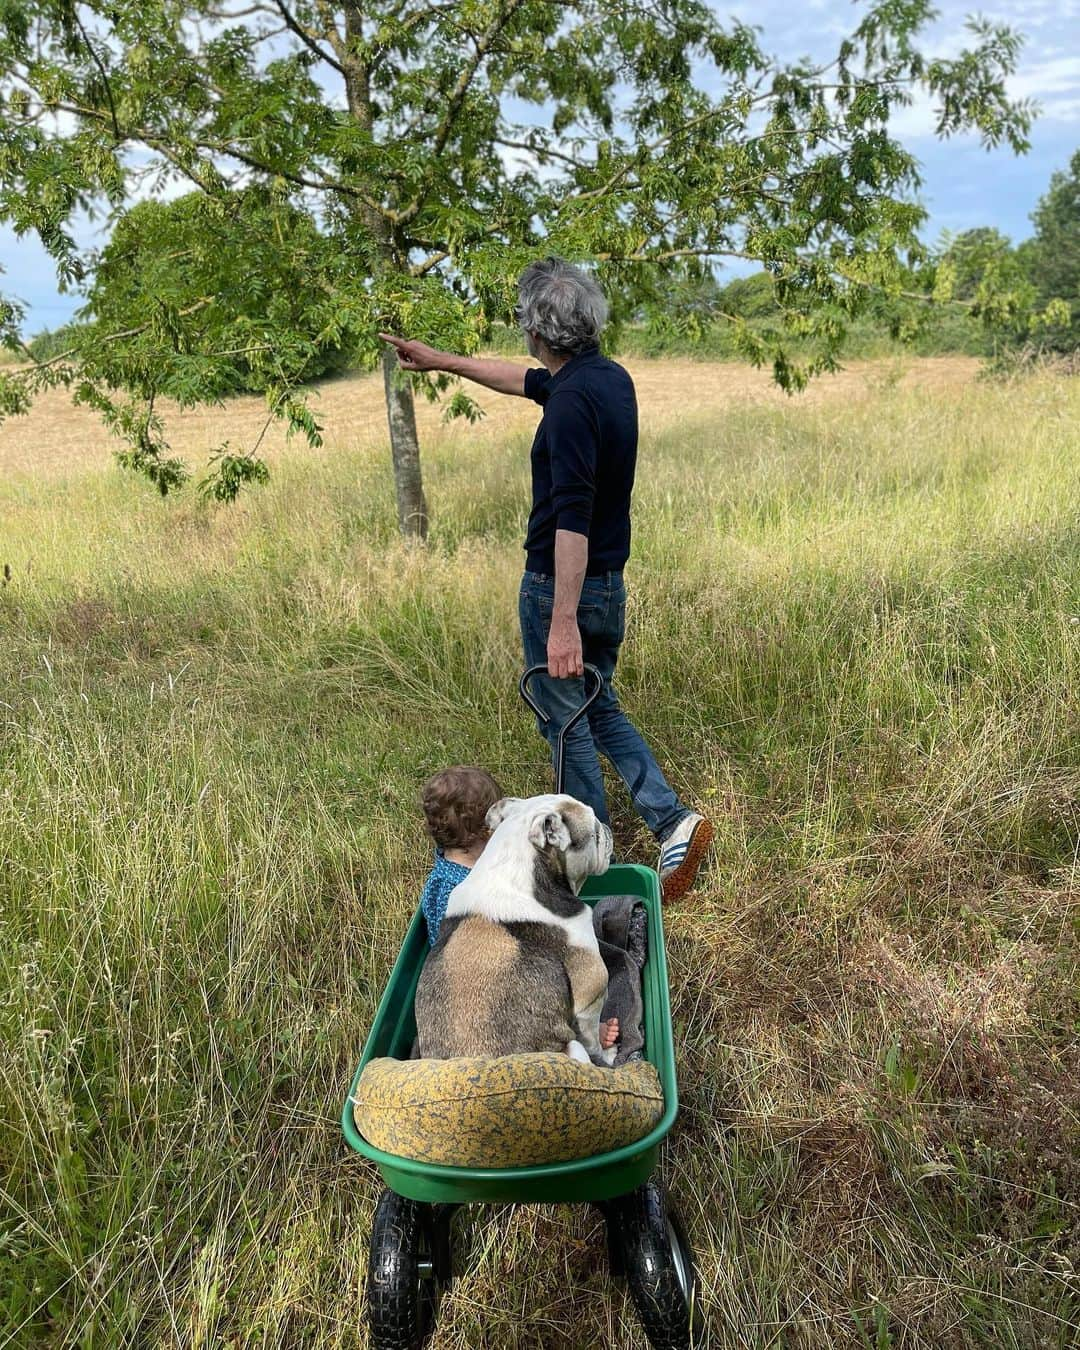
512, 1111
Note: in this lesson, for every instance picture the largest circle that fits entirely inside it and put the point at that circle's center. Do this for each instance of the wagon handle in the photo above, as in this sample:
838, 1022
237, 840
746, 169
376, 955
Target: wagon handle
560, 745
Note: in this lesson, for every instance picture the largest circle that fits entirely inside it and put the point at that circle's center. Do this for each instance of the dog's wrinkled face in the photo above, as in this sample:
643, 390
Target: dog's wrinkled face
564, 832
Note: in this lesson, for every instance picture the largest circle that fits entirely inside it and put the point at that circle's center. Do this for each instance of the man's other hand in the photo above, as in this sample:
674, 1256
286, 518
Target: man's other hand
414, 355
564, 649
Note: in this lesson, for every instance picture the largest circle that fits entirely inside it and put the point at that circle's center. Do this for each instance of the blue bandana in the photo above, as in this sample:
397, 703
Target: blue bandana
435, 897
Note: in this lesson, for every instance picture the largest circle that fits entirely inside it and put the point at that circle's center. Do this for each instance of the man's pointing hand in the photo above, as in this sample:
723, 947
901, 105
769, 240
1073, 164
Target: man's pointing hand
414, 355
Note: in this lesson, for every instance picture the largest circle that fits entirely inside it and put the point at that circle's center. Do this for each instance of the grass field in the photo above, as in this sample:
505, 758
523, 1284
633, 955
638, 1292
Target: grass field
854, 638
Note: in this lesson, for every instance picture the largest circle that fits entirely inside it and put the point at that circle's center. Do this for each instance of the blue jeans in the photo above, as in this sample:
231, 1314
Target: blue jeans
601, 620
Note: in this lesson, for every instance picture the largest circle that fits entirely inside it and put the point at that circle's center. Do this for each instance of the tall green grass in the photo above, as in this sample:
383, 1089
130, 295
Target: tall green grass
854, 639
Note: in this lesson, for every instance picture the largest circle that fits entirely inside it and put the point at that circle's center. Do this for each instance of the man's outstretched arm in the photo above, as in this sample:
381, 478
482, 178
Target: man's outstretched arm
505, 377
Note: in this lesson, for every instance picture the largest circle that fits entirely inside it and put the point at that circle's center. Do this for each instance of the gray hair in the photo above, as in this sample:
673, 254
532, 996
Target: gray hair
561, 305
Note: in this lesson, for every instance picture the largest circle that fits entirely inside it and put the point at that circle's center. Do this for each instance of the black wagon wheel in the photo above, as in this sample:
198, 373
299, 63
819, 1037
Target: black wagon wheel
649, 1243
407, 1267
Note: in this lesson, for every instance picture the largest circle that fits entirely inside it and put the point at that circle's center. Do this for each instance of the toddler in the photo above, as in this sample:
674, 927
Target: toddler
455, 803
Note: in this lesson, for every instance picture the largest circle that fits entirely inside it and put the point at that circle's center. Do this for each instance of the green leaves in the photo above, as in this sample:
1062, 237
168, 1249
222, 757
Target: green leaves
135, 422
1052, 260
461, 405
971, 89
228, 473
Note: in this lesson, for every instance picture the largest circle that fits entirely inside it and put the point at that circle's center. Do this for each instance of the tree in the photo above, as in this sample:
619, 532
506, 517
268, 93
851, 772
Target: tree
1052, 256
680, 301
974, 253
752, 297
264, 262
264, 265
658, 134
981, 269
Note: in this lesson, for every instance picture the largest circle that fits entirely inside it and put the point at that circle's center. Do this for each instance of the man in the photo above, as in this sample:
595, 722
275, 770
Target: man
572, 603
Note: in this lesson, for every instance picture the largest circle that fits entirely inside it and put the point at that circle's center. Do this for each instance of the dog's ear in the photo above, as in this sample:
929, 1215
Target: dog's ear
549, 830
497, 814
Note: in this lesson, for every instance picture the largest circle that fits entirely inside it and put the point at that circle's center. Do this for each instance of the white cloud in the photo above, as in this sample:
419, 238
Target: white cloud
1054, 84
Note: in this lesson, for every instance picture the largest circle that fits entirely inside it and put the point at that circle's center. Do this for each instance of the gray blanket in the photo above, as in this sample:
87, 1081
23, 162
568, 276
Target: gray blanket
621, 927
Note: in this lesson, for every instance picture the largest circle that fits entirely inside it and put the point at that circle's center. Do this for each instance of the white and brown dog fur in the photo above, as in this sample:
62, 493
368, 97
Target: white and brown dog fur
517, 967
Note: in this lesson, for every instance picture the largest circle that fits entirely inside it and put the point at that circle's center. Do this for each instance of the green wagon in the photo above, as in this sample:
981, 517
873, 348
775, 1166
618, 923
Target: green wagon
411, 1249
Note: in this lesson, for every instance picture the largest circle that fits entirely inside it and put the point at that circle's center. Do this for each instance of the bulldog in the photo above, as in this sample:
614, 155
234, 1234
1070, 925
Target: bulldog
517, 967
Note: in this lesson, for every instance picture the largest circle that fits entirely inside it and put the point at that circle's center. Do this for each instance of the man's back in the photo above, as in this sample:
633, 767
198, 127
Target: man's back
583, 460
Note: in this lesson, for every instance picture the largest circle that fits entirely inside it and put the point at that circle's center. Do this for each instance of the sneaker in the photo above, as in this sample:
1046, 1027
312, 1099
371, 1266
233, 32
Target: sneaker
681, 854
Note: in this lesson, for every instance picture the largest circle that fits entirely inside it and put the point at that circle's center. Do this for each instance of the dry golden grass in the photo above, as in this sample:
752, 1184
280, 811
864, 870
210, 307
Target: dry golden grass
59, 439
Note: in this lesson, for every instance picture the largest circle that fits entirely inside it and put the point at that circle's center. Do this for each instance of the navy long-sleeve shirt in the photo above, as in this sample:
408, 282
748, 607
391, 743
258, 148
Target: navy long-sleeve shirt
583, 461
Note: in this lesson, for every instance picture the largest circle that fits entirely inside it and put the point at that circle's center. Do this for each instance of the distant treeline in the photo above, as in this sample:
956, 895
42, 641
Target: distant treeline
705, 325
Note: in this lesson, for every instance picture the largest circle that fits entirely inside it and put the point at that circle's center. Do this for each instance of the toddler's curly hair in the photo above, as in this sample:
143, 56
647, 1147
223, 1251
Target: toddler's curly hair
455, 803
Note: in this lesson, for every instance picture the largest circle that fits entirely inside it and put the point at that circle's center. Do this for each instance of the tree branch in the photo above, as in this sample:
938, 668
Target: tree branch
331, 32
459, 94
266, 425
441, 255
921, 296
422, 269
267, 34
306, 38
155, 142
542, 152
379, 50
461, 89
676, 253
227, 16
101, 67
817, 133
116, 337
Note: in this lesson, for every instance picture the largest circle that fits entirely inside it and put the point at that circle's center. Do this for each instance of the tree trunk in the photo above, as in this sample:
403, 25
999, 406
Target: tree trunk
400, 407
405, 449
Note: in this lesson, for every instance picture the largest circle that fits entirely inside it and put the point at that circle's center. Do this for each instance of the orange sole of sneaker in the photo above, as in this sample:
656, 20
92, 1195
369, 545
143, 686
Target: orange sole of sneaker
677, 883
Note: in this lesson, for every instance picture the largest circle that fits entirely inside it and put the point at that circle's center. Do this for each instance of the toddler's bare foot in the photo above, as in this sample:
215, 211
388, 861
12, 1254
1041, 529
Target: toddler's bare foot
609, 1033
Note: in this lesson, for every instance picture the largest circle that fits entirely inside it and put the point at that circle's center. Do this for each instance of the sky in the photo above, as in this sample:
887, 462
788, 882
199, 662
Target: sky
963, 184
